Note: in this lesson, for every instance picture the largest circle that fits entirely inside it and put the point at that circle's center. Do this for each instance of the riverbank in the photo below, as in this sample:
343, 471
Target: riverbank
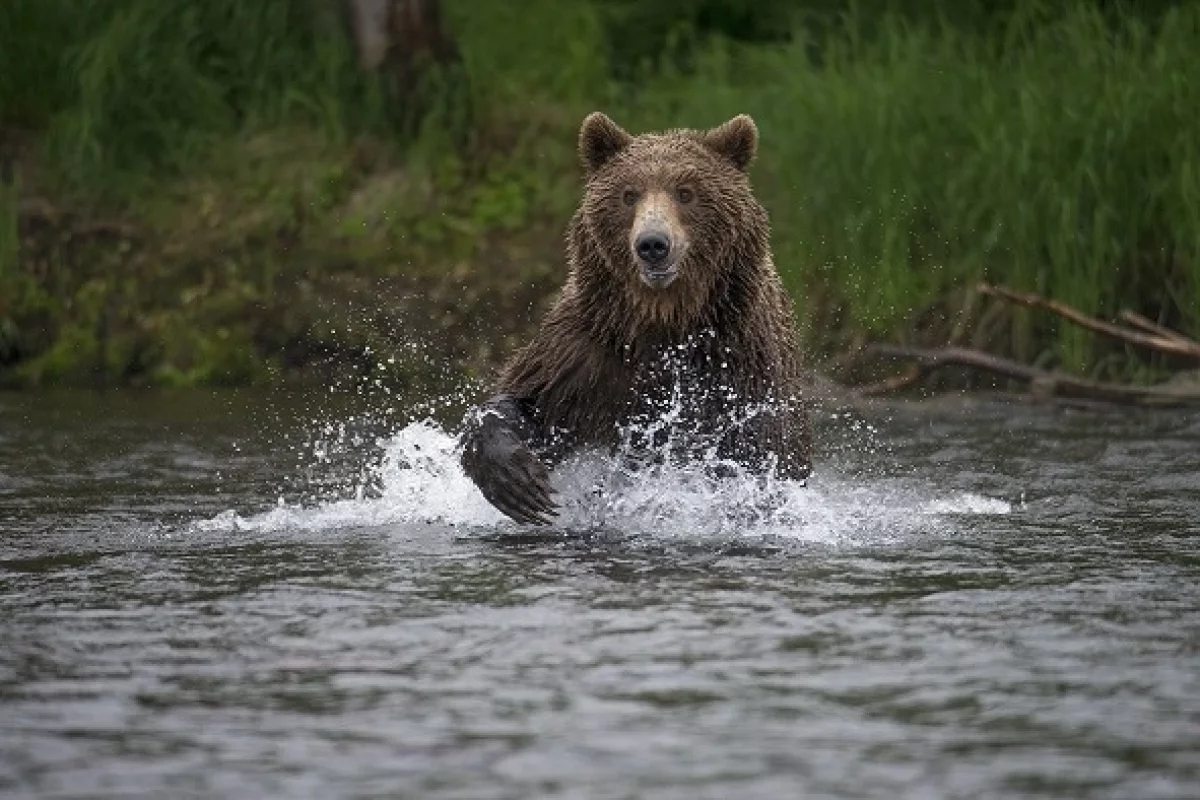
239, 204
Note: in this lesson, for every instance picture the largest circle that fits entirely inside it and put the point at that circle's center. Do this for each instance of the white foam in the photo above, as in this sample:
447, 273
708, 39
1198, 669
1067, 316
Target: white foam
968, 503
420, 481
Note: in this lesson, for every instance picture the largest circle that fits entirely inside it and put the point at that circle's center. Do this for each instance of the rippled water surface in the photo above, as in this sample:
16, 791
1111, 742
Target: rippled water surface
234, 595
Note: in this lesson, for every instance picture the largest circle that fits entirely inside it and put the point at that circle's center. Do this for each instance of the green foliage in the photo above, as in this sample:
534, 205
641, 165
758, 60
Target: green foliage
131, 87
641, 37
10, 199
910, 148
34, 37
10, 278
1058, 157
544, 51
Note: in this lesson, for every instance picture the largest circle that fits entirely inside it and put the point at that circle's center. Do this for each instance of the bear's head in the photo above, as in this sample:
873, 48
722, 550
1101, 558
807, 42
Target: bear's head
669, 219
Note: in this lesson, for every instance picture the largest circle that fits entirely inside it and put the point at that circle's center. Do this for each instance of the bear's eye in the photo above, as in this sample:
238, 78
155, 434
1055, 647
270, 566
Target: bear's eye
685, 194
629, 197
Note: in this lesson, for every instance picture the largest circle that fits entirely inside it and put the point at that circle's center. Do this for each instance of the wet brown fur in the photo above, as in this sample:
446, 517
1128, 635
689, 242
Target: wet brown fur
596, 363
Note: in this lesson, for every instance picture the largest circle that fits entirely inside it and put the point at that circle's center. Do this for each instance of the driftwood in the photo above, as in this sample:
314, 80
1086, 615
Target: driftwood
1175, 344
1142, 332
1043, 383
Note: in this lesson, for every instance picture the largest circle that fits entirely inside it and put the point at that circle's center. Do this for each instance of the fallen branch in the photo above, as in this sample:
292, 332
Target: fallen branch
894, 384
1137, 320
1043, 383
1175, 345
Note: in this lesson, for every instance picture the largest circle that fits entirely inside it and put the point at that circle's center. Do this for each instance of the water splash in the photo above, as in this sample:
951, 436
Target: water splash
418, 481
413, 476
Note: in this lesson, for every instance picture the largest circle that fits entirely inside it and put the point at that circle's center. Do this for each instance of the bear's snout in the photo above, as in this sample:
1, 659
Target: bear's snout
657, 240
653, 247
656, 259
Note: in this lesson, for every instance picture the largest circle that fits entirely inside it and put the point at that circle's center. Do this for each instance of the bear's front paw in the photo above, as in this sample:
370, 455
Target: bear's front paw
511, 477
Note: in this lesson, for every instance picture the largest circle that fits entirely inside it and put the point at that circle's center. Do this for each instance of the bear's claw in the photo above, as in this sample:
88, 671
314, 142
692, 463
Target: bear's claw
511, 477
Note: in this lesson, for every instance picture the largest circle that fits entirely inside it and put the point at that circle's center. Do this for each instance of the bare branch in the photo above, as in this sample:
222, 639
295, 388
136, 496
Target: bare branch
1137, 320
894, 384
1042, 382
1162, 344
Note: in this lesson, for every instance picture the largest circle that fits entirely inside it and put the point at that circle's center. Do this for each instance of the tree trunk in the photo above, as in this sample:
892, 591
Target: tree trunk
407, 45
403, 34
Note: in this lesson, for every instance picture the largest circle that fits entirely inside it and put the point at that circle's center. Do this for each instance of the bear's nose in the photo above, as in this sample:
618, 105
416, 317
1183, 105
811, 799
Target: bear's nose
652, 247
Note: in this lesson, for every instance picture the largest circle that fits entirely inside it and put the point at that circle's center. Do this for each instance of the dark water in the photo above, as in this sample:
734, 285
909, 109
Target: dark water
967, 602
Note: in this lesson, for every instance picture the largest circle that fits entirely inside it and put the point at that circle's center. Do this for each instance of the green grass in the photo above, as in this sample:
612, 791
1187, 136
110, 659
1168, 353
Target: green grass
904, 157
1061, 158
9, 254
127, 89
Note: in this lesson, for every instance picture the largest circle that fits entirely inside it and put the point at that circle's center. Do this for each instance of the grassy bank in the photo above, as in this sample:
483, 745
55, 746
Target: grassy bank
214, 193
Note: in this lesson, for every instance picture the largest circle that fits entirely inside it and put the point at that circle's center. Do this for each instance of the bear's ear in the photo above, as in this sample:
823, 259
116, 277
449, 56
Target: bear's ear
736, 140
599, 140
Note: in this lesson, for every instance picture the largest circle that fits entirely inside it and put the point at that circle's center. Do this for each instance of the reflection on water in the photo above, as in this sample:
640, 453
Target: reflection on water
215, 596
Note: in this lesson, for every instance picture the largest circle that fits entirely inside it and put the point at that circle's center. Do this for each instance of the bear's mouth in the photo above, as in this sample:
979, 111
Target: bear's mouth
658, 276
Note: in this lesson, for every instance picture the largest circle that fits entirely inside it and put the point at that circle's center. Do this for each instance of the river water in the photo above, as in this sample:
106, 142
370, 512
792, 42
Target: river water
261, 595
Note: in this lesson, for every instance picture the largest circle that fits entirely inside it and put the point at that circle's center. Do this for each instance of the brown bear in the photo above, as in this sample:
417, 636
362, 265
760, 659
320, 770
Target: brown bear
672, 337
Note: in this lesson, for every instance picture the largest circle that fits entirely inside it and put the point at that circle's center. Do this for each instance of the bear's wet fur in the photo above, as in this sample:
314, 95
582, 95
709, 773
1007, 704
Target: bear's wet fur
671, 304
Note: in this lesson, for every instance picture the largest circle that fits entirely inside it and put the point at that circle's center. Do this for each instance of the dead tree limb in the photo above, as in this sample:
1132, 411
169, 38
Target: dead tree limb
1042, 382
904, 380
1160, 343
1138, 321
